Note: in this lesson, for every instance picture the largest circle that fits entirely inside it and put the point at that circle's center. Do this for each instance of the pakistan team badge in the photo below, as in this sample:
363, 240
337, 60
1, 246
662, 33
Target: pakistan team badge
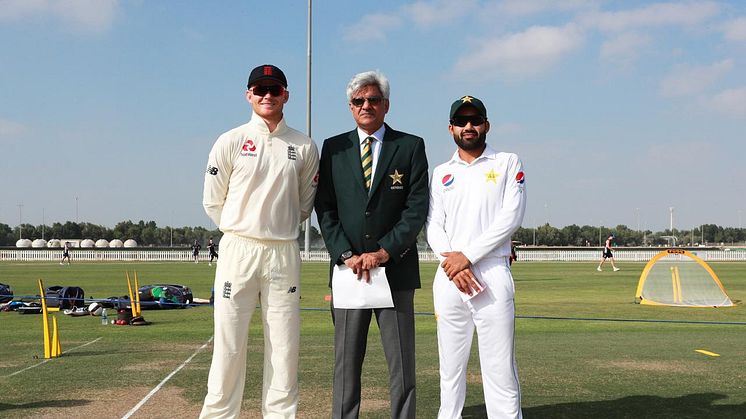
396, 179
491, 176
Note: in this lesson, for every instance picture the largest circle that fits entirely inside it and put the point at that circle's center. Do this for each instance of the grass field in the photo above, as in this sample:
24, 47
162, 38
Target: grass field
569, 368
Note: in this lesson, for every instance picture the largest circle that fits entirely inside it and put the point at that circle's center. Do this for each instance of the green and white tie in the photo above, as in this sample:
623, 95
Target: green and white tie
367, 160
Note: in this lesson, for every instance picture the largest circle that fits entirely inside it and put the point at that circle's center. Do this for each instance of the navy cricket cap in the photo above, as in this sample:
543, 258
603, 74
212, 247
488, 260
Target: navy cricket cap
468, 100
267, 72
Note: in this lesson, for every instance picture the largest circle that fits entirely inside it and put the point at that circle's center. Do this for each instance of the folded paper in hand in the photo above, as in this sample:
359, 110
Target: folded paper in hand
350, 292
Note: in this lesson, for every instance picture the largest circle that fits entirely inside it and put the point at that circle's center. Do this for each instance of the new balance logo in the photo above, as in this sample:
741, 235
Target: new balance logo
292, 290
227, 290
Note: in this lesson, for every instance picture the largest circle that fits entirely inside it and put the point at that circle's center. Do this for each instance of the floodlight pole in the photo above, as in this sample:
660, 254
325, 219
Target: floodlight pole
20, 221
307, 243
672, 234
42, 223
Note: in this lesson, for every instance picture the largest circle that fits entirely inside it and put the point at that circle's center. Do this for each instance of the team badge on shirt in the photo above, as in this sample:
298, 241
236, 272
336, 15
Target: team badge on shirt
212, 170
292, 153
396, 178
491, 176
248, 148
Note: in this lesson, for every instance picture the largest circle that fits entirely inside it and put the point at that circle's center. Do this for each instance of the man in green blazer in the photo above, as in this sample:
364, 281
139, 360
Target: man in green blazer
371, 202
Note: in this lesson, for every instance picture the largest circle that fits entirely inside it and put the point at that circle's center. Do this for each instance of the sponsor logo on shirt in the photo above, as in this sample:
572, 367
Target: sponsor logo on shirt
248, 148
519, 178
315, 180
448, 182
227, 289
212, 170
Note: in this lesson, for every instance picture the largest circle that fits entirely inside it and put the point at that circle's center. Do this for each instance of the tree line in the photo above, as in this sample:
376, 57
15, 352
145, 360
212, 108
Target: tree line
148, 234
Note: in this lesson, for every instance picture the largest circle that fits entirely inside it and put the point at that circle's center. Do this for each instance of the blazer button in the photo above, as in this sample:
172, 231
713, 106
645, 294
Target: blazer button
367, 213
367, 236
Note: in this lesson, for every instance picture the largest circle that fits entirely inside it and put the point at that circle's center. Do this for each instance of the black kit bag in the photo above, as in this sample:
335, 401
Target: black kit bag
6, 293
64, 297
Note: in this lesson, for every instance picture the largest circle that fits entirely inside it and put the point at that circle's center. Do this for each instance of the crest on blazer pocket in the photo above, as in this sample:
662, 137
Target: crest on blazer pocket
396, 180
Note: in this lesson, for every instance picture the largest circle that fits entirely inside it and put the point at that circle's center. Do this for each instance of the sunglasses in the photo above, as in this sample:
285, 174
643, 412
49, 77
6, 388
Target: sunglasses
373, 100
274, 90
462, 120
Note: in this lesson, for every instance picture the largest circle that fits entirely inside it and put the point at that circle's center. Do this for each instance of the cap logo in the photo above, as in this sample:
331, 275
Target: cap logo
466, 99
267, 70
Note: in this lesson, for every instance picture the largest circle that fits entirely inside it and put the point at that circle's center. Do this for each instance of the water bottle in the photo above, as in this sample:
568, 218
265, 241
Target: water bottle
104, 318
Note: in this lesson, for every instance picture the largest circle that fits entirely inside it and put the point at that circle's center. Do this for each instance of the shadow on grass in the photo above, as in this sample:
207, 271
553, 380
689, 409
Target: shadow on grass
42, 404
638, 407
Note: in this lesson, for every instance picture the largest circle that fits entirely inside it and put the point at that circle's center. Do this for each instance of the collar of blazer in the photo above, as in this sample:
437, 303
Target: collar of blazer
389, 145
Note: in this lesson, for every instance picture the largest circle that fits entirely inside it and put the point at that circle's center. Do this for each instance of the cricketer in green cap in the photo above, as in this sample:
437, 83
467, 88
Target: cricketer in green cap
468, 100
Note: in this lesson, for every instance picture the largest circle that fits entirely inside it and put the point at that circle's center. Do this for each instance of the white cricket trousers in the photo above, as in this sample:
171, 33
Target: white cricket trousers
492, 312
250, 271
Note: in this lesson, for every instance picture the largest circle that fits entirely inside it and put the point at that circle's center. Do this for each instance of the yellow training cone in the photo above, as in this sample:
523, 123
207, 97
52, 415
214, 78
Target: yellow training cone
45, 320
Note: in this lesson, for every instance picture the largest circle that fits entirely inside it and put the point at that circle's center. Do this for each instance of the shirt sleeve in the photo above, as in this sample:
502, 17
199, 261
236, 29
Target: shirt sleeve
508, 219
217, 176
308, 181
435, 230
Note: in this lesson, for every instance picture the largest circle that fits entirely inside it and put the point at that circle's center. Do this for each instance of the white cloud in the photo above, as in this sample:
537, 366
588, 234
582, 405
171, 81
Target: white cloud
730, 102
426, 14
10, 130
92, 15
654, 15
532, 7
624, 49
372, 27
520, 55
686, 81
735, 30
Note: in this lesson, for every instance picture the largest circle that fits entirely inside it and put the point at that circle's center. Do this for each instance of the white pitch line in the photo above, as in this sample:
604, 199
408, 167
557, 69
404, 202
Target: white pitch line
168, 377
47, 360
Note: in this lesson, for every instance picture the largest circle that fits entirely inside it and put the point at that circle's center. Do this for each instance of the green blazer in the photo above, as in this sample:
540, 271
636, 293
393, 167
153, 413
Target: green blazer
390, 216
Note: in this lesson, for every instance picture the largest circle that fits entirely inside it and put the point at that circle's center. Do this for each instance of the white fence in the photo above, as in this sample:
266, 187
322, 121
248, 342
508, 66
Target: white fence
185, 255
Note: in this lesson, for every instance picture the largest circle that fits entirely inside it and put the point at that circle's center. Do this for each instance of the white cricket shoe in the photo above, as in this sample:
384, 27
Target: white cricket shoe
598, 269
617, 269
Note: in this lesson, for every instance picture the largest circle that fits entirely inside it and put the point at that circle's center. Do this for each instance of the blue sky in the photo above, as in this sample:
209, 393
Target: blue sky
619, 109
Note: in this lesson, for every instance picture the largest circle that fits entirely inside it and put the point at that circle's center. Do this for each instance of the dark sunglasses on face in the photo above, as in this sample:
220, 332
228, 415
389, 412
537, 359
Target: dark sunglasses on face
274, 90
462, 120
373, 100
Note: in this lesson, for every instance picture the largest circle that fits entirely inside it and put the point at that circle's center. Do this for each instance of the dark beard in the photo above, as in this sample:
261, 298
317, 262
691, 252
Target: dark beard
473, 144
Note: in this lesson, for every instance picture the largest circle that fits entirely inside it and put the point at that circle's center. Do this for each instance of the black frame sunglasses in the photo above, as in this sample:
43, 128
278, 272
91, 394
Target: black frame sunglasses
274, 90
360, 101
462, 120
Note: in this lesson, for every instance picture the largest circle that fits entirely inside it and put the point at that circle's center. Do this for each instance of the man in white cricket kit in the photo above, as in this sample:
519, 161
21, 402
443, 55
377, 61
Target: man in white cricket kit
259, 186
477, 201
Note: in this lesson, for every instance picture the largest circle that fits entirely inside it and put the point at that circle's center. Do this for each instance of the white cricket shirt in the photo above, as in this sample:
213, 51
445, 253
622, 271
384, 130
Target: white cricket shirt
259, 184
475, 208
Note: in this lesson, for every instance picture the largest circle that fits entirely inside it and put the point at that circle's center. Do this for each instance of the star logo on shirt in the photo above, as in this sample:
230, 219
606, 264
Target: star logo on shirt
492, 176
396, 177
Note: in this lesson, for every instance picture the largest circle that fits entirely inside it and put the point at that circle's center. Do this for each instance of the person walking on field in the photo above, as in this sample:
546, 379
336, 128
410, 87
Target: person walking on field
65, 253
477, 201
607, 254
213, 252
195, 251
259, 186
371, 204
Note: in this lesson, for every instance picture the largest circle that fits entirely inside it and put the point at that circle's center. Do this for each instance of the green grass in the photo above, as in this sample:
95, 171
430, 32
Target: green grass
568, 368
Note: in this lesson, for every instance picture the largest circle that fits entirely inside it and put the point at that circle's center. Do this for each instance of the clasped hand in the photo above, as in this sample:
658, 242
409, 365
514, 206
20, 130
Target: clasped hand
458, 268
362, 264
